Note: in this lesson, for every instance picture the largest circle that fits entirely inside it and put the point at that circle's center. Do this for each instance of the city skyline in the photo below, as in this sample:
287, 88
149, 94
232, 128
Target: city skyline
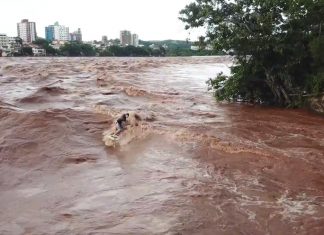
156, 21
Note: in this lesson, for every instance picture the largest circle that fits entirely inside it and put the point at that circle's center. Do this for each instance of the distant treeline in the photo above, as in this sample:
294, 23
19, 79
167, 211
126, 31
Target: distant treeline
160, 48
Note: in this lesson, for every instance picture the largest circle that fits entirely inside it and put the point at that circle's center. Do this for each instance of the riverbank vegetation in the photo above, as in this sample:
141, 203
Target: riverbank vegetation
278, 47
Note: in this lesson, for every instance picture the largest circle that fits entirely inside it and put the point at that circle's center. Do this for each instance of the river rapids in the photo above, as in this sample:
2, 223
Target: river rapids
190, 165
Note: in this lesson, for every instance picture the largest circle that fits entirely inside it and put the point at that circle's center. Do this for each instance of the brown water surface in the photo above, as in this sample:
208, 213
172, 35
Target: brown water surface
192, 166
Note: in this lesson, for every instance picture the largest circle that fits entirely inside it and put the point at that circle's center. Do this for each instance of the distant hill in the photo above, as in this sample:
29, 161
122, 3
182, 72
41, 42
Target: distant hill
178, 48
171, 44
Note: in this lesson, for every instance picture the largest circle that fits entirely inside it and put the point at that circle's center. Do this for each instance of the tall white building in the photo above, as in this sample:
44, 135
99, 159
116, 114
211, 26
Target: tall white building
125, 38
135, 40
128, 39
27, 31
57, 32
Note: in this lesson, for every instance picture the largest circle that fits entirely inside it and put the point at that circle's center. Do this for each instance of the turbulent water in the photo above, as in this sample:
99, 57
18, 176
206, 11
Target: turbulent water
190, 166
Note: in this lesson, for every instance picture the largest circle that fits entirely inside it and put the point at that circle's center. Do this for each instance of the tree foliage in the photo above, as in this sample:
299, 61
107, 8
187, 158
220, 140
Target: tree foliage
43, 43
160, 48
77, 49
276, 44
27, 51
128, 51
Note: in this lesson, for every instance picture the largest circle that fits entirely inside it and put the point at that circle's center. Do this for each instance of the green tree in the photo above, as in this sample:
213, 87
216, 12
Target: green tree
105, 52
201, 43
316, 81
162, 51
77, 49
87, 50
19, 41
116, 51
271, 41
125, 51
27, 51
18, 44
43, 43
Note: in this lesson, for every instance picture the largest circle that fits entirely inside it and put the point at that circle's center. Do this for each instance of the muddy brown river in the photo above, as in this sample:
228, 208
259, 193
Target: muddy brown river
190, 166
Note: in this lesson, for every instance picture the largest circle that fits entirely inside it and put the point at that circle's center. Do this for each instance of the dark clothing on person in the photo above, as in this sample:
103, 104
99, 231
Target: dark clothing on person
120, 122
122, 119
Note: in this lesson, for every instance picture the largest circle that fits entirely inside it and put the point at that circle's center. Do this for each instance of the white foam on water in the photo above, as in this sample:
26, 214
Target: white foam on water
292, 208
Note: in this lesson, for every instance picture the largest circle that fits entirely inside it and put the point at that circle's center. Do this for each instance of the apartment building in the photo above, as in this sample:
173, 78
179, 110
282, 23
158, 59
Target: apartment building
27, 31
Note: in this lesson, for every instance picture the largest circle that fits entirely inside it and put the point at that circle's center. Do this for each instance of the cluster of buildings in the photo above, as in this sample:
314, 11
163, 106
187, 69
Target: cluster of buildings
126, 39
26, 34
26, 30
57, 35
59, 32
9, 45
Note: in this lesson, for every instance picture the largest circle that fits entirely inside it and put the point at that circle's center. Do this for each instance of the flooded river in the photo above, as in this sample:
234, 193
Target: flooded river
190, 166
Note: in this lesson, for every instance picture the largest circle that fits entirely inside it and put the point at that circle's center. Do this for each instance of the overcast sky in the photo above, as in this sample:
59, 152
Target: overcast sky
150, 19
